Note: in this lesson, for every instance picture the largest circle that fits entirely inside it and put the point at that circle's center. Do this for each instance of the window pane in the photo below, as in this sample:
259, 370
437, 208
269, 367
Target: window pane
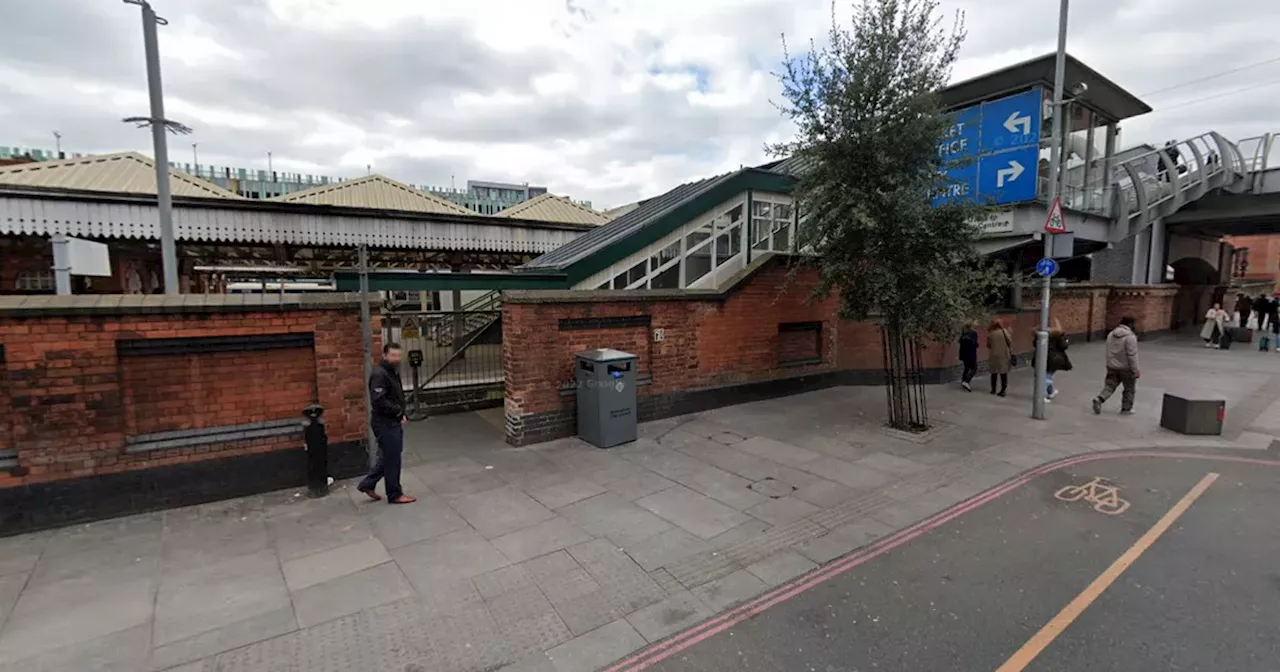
761, 209
782, 239
696, 265
782, 211
620, 281
635, 274
668, 279
760, 234
697, 236
604, 285
667, 254
735, 215
728, 244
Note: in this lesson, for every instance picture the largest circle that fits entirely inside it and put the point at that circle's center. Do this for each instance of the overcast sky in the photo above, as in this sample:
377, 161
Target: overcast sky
607, 100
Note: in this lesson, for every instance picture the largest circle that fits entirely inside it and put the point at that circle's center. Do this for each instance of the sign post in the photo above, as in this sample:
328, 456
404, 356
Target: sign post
1055, 152
366, 328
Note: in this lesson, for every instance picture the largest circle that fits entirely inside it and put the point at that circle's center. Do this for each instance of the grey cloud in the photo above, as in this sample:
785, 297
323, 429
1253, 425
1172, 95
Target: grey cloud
412, 71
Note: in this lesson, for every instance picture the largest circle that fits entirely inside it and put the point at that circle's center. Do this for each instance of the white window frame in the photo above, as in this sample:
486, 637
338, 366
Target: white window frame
776, 223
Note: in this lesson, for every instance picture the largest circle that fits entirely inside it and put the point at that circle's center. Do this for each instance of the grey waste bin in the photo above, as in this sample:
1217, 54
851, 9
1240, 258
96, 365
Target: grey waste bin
606, 397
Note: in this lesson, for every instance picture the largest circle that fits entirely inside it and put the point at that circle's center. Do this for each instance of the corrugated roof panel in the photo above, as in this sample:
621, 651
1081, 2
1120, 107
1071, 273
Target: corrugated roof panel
376, 192
614, 213
624, 226
552, 208
124, 172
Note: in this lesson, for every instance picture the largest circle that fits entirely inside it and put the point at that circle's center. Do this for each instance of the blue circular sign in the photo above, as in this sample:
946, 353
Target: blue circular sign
1046, 268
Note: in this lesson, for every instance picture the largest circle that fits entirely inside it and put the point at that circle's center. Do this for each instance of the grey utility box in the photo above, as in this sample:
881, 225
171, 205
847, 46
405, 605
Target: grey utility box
606, 382
1201, 417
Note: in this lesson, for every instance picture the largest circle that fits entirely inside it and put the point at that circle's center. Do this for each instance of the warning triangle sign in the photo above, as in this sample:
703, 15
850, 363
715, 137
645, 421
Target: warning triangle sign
1055, 223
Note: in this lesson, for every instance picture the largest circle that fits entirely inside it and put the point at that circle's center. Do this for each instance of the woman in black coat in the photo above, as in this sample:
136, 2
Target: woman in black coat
968, 356
1057, 360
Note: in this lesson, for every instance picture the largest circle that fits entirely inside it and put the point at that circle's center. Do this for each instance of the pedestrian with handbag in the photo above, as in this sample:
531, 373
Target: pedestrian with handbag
1057, 359
999, 356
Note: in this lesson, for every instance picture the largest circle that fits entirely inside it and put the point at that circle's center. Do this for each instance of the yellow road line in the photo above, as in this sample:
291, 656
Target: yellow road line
1072, 611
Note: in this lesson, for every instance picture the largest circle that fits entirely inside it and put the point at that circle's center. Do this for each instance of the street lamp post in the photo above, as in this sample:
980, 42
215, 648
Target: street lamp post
1055, 152
159, 125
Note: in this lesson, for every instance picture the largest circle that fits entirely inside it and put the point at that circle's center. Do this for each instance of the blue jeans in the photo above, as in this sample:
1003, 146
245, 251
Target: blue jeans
390, 438
1048, 383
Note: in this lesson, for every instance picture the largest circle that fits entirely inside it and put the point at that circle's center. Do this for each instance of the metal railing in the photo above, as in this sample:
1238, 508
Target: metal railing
453, 358
1156, 183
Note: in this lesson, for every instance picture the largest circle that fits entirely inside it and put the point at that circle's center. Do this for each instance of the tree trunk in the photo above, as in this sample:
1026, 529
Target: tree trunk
904, 380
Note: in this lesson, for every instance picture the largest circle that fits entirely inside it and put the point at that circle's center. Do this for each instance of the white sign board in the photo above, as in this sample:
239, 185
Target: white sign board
88, 258
997, 223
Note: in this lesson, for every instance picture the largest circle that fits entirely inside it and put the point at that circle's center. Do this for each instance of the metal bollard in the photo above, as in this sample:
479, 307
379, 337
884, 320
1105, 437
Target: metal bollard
317, 442
415, 365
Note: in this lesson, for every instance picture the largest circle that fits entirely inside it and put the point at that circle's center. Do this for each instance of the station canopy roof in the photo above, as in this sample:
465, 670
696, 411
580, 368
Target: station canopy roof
1103, 96
552, 208
376, 192
122, 173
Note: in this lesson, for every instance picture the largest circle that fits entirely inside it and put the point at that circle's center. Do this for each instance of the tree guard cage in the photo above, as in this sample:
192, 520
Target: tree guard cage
904, 381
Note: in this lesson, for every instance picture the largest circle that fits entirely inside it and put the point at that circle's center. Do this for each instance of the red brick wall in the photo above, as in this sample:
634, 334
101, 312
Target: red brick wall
1264, 256
72, 398
724, 341
193, 391
706, 342
1151, 306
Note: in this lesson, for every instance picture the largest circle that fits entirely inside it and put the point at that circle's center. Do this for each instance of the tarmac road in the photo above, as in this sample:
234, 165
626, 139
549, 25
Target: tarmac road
1203, 593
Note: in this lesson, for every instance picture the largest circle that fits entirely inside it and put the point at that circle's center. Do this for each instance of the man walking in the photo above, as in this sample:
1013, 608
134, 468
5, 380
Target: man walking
1122, 367
387, 420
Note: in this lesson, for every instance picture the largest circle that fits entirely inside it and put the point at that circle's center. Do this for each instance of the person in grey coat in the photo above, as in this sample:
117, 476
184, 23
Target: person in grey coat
1122, 367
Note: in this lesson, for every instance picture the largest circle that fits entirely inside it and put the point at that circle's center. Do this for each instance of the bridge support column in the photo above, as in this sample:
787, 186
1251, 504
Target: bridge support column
1109, 164
1141, 257
1087, 181
1158, 244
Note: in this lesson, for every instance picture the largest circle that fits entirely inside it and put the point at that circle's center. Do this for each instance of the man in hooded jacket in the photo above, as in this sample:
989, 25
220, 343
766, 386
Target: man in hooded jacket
1122, 367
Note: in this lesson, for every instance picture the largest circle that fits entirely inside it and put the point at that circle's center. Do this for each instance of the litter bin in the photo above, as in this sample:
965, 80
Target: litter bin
606, 382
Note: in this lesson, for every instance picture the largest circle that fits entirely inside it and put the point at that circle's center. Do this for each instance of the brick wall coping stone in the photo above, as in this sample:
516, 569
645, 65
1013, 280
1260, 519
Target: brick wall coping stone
1145, 290
159, 304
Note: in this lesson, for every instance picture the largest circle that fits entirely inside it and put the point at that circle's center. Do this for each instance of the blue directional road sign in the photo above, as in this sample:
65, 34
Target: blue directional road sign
1046, 268
961, 140
1011, 122
993, 151
962, 183
1008, 177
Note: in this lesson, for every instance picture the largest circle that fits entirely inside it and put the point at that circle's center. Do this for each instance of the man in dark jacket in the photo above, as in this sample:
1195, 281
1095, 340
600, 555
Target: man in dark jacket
386, 395
1244, 308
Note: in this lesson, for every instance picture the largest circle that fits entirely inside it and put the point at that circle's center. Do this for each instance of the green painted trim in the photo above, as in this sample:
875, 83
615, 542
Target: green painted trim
678, 216
382, 281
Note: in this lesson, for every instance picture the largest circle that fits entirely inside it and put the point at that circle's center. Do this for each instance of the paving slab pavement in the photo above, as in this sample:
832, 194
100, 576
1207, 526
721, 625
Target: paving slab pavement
561, 556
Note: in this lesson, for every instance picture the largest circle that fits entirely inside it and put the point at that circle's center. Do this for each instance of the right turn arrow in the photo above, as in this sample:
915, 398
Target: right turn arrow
1009, 174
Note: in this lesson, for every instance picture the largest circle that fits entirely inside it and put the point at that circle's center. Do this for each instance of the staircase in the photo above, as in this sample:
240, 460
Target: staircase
474, 316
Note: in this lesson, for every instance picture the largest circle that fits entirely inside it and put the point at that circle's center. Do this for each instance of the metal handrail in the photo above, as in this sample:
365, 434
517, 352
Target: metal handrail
1154, 184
